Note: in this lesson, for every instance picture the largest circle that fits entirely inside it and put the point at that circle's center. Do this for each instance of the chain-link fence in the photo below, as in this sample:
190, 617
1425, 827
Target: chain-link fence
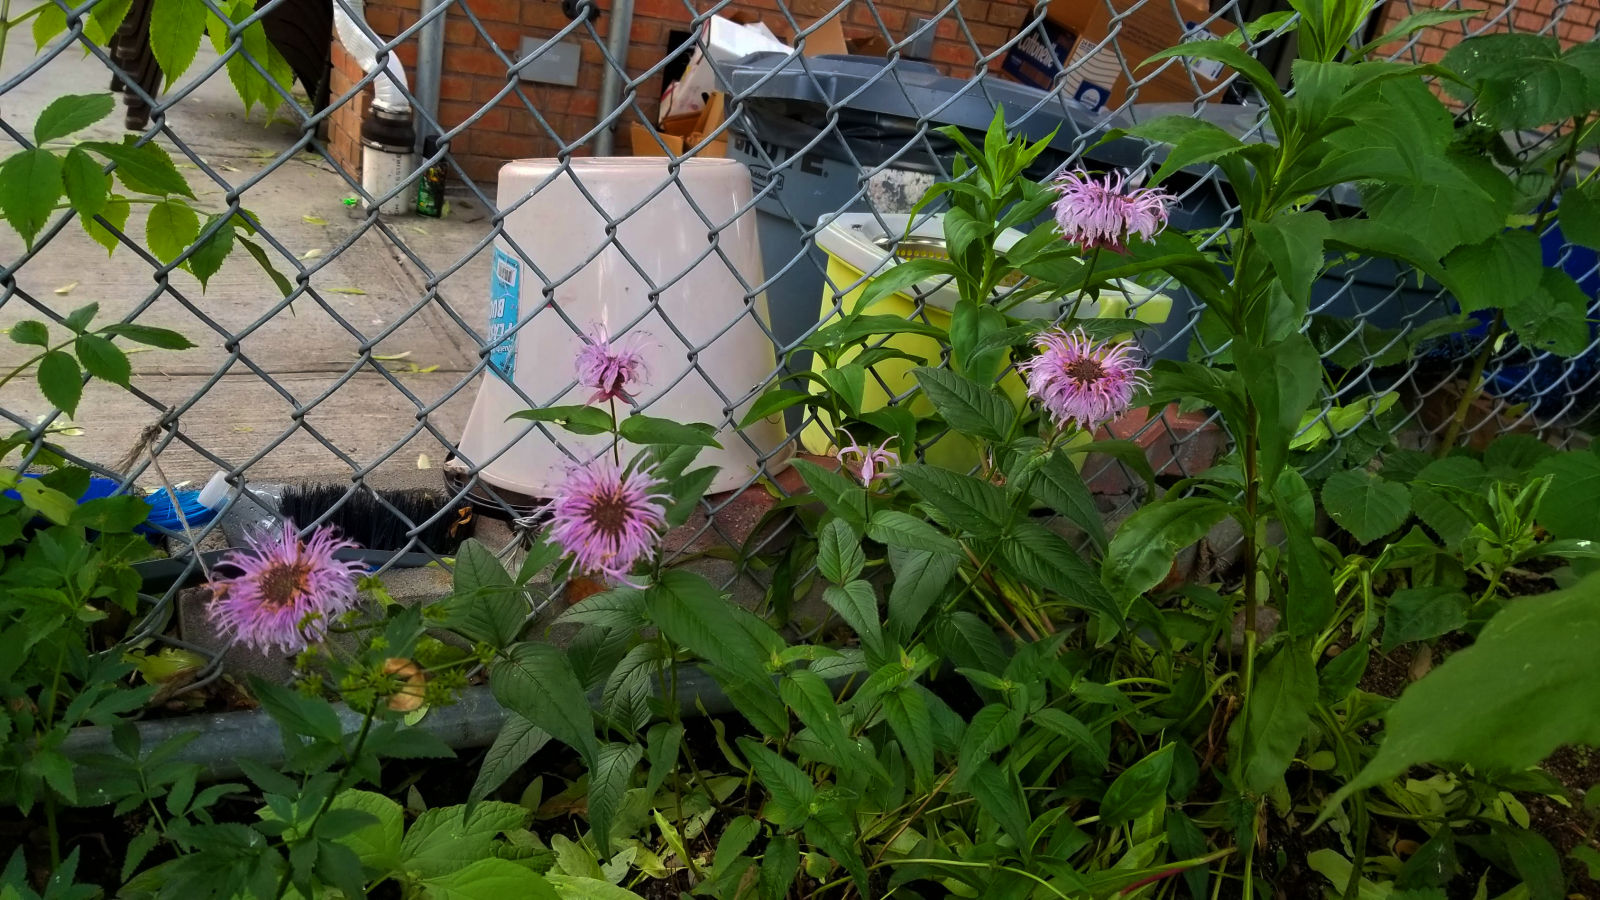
391, 348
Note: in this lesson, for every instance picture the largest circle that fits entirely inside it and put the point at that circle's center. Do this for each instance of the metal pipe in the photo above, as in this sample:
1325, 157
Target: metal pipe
222, 739
430, 65
611, 82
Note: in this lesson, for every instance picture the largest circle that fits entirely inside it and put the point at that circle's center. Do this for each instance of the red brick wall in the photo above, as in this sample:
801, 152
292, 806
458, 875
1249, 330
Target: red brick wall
474, 74
1575, 22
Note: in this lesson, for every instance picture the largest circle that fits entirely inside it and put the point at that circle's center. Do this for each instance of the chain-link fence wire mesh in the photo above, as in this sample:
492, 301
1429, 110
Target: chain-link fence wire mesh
792, 117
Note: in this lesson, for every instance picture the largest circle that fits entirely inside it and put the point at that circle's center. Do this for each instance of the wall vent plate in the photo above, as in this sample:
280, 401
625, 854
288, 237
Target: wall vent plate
552, 62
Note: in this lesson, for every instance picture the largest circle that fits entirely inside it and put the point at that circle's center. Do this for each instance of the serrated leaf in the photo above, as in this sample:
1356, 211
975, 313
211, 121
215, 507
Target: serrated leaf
842, 497
102, 359
517, 742
906, 711
649, 430
208, 255
967, 406
1141, 552
1579, 215
1568, 508
30, 185
171, 227
537, 682
1553, 317
897, 529
30, 332
921, 577
966, 502
69, 113
1366, 505
789, 789
839, 554
1420, 614
143, 168
114, 213
608, 781
856, 603
1496, 273
445, 839
176, 27
60, 381
85, 182
1045, 560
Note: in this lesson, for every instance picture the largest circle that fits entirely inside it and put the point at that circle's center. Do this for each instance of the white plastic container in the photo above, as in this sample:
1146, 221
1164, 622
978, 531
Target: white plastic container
714, 348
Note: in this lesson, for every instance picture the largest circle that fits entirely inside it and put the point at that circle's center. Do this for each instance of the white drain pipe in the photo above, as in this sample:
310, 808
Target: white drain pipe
387, 137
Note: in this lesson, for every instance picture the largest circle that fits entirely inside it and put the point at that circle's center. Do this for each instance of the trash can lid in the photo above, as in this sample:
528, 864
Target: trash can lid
915, 90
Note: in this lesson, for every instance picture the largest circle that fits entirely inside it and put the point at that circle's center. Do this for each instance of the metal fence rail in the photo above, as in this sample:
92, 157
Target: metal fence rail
265, 398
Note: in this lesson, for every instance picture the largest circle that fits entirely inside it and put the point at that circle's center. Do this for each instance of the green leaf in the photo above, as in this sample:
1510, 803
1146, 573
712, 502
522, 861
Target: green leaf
839, 555
1199, 144
1579, 215
608, 782
576, 419
265, 262
47, 501
894, 281
618, 608
1497, 273
1366, 505
517, 742
1421, 614
1519, 81
992, 729
780, 863
1058, 485
1523, 689
1139, 787
30, 185
170, 229
490, 879
143, 168
536, 681
50, 21
1280, 711
1284, 377
1293, 242
897, 529
376, 844
86, 183
840, 495
858, 606
967, 406
1309, 603
115, 214
694, 615
774, 401
649, 430
60, 381
1142, 550
808, 696
298, 714
1232, 57
1553, 317
1045, 560
1189, 842
176, 27
69, 113
207, 258
1340, 676
789, 789
1568, 507
30, 332
486, 605
1416, 22
1000, 795
921, 577
906, 711
164, 338
105, 19
1515, 455
966, 502
1069, 727
102, 359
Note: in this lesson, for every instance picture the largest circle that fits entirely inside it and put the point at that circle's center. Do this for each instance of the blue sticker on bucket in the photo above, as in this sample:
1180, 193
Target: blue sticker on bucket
504, 290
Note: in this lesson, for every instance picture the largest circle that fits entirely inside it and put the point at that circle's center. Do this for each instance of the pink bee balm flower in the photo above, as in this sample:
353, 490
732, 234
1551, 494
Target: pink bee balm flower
611, 366
608, 518
875, 461
1101, 214
1080, 382
286, 591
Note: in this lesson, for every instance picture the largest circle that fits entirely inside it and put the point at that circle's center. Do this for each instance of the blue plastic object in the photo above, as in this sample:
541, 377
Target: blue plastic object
163, 514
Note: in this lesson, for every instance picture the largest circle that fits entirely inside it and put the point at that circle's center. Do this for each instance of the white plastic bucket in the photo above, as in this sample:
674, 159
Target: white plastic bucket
712, 355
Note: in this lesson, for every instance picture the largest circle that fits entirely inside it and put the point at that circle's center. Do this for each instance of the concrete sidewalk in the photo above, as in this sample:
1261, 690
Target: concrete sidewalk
242, 410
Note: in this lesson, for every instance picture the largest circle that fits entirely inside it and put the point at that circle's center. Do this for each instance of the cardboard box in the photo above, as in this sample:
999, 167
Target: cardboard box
1070, 35
679, 133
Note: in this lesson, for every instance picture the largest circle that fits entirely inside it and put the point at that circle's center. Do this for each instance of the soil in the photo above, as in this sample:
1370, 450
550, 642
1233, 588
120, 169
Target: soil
1567, 826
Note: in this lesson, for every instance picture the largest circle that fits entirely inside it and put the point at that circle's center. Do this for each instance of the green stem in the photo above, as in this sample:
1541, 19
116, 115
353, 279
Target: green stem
333, 794
1252, 599
55, 833
1094, 257
616, 439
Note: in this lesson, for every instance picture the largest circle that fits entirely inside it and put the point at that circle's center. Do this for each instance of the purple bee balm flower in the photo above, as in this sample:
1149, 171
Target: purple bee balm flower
608, 518
286, 591
875, 461
1101, 214
611, 366
1080, 382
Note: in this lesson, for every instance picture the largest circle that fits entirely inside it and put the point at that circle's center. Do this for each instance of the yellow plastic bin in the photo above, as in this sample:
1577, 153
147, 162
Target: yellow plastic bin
856, 244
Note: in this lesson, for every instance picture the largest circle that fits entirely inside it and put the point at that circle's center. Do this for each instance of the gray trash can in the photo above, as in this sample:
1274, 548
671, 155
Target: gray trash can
809, 127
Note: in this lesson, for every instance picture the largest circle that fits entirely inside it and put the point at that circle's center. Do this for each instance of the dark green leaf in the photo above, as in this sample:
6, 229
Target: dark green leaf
1000, 795
789, 789
907, 714
1141, 552
536, 681
265, 262
1421, 614
694, 615
649, 430
517, 742
1580, 215
1554, 317
1366, 505
85, 182
839, 555
897, 529
921, 577
1284, 378
780, 863
1340, 676
60, 381
576, 419
1045, 560
143, 168
858, 606
30, 185
486, 605
1280, 711
1497, 273
1202, 142
298, 714
967, 406
1293, 244
1310, 601
966, 502
69, 113
163, 338
1058, 485
608, 782
1568, 507
1140, 786
774, 401
30, 332
841, 496
102, 359
992, 729
1189, 842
